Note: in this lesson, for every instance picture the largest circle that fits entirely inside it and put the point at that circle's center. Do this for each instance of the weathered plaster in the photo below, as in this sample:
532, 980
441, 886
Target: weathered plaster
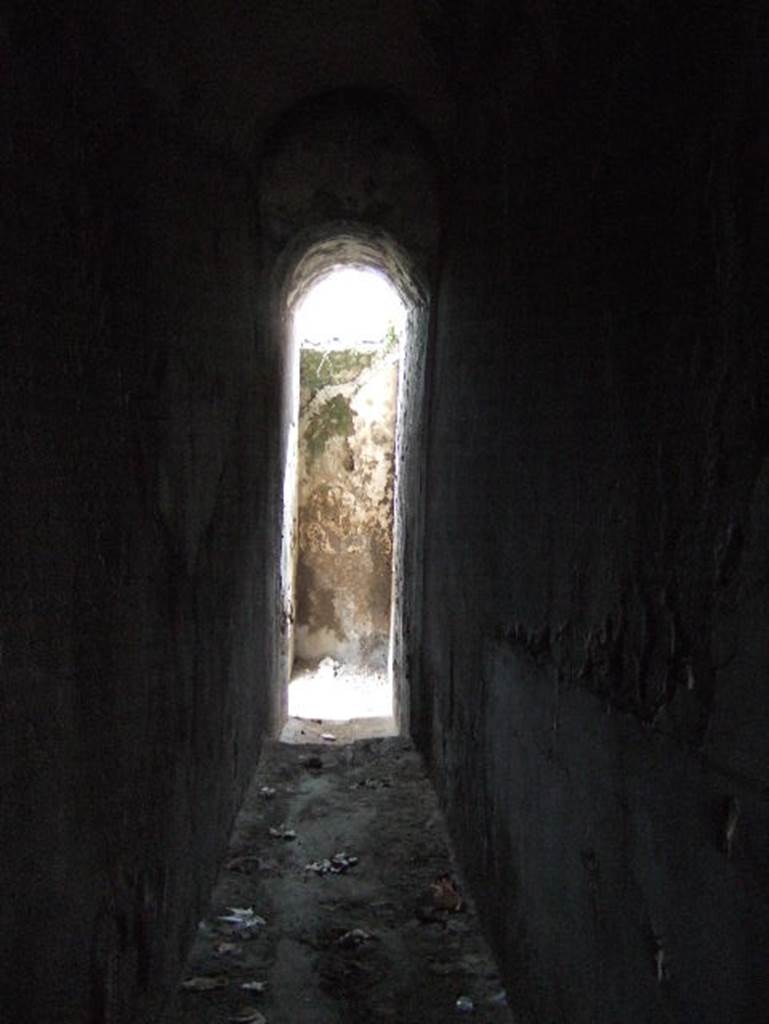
345, 509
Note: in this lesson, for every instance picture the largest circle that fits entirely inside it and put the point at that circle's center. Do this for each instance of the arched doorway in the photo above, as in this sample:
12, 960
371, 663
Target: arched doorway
370, 202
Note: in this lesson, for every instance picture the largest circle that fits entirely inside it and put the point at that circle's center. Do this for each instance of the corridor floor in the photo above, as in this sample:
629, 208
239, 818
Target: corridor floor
343, 900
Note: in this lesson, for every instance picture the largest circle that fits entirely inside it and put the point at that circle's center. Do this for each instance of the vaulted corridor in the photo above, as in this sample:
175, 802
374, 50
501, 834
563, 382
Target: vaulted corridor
572, 204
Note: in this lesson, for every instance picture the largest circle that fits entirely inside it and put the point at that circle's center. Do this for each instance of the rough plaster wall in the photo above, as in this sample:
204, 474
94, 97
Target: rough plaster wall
145, 407
410, 700
344, 550
137, 599
235, 69
595, 660
349, 176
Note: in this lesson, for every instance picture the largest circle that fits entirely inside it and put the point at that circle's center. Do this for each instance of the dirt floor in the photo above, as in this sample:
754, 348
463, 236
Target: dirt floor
312, 730
380, 933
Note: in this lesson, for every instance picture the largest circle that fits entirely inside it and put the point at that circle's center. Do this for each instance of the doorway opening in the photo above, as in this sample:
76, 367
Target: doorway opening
348, 330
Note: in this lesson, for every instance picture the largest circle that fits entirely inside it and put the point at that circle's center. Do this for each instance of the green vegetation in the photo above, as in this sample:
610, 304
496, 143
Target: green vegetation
317, 368
391, 341
333, 419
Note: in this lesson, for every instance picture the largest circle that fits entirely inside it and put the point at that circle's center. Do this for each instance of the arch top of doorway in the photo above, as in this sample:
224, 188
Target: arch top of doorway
313, 257
350, 178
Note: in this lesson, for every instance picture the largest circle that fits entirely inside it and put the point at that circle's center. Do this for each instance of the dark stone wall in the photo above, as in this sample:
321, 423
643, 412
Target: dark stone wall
139, 530
593, 678
146, 398
409, 698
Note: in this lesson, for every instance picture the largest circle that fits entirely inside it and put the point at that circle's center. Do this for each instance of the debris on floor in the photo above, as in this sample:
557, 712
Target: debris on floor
248, 1015
225, 948
446, 894
336, 865
372, 784
354, 938
243, 921
384, 935
281, 832
203, 984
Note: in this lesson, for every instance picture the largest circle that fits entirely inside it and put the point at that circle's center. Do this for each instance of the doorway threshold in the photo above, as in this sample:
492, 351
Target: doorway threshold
333, 732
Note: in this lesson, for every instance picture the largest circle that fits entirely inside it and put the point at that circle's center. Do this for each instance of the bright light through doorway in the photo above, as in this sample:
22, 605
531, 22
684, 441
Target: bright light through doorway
338, 692
348, 310
348, 307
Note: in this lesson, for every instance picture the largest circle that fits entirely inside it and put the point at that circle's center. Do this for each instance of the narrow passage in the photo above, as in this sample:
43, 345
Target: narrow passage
339, 902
